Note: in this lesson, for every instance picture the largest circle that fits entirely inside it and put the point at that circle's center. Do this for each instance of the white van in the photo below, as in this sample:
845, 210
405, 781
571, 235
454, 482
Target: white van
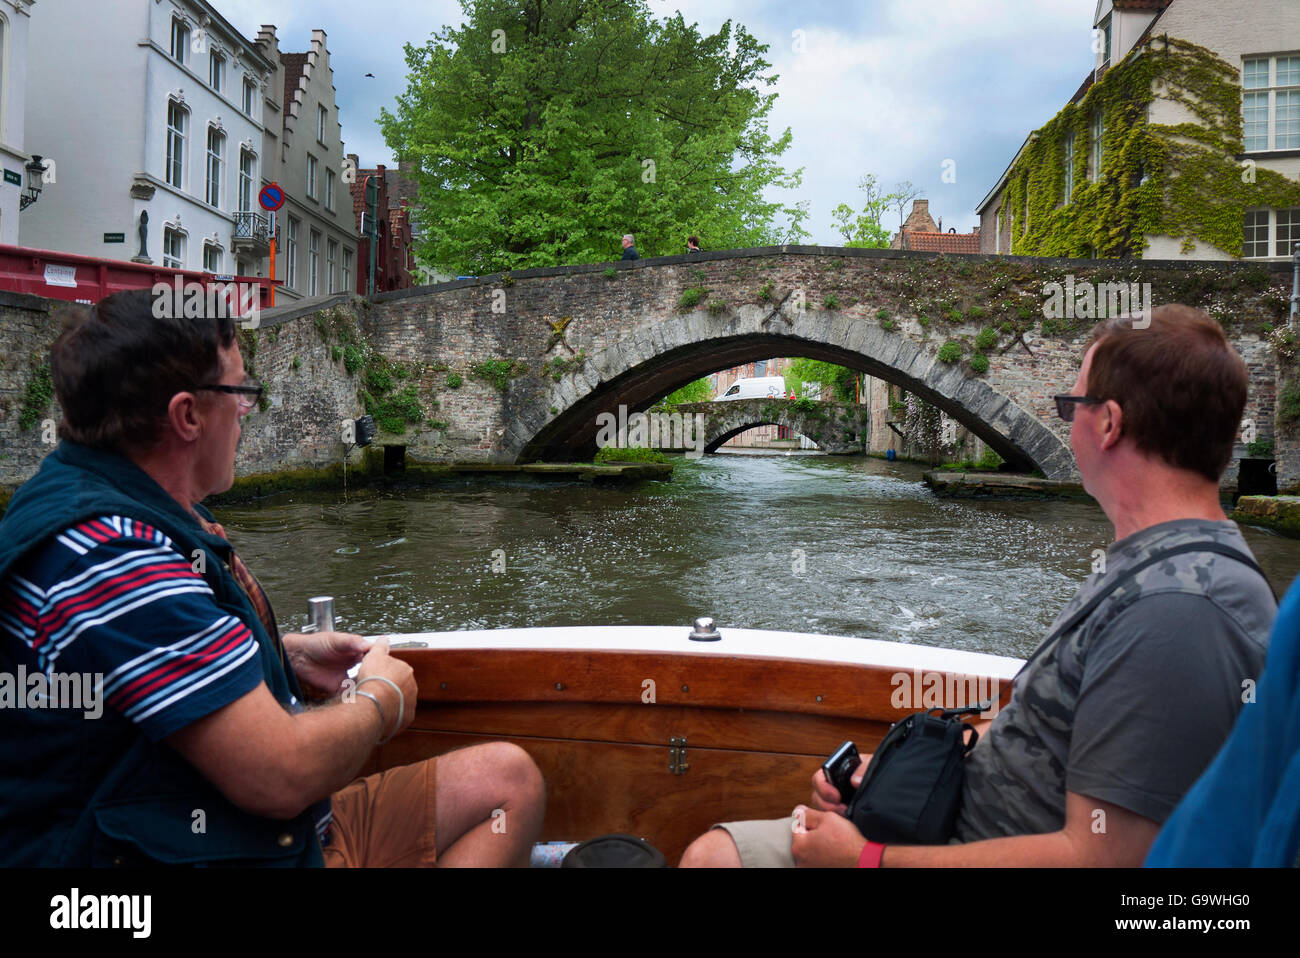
755, 387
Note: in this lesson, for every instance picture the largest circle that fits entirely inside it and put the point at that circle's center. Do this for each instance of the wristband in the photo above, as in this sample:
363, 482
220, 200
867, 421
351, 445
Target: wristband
401, 702
383, 720
872, 852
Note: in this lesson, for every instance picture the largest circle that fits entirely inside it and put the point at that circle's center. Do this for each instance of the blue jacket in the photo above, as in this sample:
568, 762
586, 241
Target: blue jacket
100, 792
1245, 808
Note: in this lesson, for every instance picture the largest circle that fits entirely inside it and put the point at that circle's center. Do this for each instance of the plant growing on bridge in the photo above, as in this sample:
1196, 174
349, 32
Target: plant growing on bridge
831, 301
39, 395
765, 292
498, 372
611, 273
691, 297
717, 307
558, 367
950, 352
986, 339
454, 380
979, 363
522, 139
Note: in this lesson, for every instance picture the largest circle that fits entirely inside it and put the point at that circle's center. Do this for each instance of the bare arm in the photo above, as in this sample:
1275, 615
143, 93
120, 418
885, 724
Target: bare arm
1116, 837
1096, 834
272, 763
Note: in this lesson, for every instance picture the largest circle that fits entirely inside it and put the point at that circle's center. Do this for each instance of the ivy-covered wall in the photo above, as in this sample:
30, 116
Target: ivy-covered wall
1181, 180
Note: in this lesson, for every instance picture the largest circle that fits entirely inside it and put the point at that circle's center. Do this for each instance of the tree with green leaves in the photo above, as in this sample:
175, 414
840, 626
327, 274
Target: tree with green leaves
541, 131
842, 380
866, 228
697, 391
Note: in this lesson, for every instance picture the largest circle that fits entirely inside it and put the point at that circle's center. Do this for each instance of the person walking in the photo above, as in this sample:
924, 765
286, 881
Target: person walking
629, 247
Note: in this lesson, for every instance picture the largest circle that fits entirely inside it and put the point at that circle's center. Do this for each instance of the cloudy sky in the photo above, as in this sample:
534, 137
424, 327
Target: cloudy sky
889, 87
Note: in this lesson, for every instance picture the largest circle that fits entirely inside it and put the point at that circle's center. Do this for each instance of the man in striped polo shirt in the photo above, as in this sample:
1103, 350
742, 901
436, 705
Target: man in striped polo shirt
189, 742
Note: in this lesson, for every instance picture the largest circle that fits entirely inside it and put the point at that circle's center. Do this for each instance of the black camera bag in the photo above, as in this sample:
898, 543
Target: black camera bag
912, 790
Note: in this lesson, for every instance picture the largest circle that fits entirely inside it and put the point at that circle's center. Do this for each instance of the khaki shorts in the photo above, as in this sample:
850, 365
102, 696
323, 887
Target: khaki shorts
386, 820
763, 844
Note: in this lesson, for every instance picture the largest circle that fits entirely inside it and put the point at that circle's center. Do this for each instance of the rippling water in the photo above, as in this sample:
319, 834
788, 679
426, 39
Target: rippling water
804, 544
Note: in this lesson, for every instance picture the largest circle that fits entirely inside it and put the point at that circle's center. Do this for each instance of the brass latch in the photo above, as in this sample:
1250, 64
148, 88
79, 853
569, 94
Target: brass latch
677, 763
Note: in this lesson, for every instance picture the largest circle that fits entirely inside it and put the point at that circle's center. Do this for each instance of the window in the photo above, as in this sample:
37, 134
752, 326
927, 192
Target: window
1106, 32
332, 265
250, 97
1069, 168
180, 39
217, 71
216, 152
329, 189
347, 270
1271, 233
291, 255
1270, 105
247, 175
173, 249
1098, 135
1288, 231
311, 177
177, 117
313, 262
322, 115
212, 258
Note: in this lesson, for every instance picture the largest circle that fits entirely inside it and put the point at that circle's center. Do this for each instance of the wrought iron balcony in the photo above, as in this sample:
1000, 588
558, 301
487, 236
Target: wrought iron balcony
252, 233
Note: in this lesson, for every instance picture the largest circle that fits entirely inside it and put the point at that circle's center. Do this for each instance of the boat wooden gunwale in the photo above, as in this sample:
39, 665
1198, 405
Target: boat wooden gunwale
639, 729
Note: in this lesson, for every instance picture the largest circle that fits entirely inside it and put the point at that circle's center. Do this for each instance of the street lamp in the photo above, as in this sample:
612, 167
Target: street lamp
35, 177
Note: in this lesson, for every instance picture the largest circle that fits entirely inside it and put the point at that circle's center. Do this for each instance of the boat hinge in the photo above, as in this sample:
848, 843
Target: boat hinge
677, 755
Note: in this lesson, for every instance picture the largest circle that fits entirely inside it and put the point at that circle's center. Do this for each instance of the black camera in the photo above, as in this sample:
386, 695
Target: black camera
839, 769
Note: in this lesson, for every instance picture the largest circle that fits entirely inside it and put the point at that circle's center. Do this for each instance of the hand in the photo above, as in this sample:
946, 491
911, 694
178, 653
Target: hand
321, 659
826, 840
826, 797
378, 662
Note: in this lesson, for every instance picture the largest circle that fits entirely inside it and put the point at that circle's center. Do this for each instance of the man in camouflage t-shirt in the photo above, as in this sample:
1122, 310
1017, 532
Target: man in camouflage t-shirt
1114, 719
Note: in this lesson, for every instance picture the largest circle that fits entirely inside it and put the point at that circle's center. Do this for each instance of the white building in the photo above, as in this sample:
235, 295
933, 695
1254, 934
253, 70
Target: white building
317, 241
15, 17
1258, 38
152, 113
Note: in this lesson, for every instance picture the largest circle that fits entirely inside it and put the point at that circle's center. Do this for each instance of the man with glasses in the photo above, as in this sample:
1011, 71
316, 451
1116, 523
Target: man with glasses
1117, 716
198, 749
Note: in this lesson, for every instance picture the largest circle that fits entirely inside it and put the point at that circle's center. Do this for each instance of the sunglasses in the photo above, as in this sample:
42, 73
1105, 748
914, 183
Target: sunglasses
1065, 405
249, 393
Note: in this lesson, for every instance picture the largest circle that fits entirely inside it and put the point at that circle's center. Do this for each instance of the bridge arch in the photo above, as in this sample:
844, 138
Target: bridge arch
662, 353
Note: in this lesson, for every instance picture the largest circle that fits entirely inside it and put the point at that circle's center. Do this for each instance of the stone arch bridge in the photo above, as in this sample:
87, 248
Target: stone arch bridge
837, 428
542, 353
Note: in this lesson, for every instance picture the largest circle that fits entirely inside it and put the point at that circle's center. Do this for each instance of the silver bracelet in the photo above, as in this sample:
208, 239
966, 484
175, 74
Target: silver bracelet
383, 719
401, 701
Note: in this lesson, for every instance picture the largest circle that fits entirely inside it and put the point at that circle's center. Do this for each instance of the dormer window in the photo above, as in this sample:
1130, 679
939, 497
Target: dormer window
1106, 37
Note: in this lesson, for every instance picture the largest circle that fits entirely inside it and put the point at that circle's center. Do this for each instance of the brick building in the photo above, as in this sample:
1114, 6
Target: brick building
393, 195
920, 232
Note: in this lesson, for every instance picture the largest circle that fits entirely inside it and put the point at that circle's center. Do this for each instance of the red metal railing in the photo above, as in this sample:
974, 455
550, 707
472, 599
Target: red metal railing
88, 279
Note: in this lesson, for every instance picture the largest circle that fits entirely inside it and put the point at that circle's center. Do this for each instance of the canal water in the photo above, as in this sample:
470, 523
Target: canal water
841, 546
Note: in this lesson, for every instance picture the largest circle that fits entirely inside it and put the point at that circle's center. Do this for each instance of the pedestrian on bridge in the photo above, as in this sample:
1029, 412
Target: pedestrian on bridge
629, 247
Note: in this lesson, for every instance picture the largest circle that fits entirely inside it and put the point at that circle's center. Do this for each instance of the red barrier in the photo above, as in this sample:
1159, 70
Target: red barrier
88, 279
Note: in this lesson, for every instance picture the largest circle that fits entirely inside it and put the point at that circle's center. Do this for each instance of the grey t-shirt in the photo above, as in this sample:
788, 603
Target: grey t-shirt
1130, 705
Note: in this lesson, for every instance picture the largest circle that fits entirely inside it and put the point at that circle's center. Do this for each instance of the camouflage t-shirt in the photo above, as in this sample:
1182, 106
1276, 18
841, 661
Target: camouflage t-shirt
1130, 705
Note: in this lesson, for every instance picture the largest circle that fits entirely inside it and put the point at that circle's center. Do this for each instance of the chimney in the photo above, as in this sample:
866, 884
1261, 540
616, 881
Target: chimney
940, 224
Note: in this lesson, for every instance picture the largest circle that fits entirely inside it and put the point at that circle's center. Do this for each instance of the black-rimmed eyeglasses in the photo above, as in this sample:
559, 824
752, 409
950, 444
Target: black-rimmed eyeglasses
250, 393
1065, 405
